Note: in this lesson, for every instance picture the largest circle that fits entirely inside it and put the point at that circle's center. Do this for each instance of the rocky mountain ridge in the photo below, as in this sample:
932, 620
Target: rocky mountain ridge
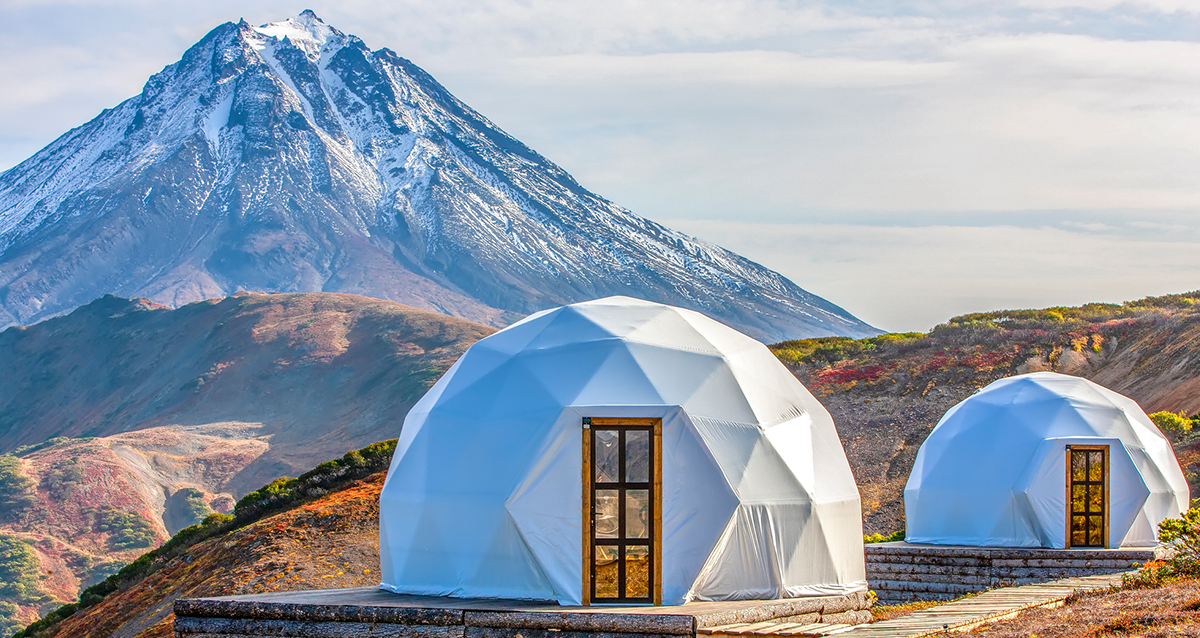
290, 157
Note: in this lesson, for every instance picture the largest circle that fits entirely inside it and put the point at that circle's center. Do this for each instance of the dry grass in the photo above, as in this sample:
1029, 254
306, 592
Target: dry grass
328, 543
1171, 610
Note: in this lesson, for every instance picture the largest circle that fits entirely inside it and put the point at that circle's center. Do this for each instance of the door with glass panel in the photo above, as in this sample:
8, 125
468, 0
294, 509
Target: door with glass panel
1087, 496
622, 486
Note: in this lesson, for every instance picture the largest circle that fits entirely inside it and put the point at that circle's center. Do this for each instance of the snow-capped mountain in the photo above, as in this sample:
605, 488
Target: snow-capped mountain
290, 157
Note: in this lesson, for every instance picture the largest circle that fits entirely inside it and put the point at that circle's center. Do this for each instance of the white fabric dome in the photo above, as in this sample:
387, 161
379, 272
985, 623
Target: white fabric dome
993, 473
484, 495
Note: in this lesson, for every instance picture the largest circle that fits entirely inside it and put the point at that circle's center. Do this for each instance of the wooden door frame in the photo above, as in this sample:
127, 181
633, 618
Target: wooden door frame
586, 500
1107, 489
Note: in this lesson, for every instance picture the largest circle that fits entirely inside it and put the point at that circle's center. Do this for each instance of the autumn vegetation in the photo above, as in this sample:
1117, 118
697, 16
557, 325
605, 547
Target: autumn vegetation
277, 496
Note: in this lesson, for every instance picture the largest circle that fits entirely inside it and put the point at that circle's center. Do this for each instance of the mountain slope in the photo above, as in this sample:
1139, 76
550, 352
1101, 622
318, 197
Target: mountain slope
886, 393
332, 541
290, 157
290, 377
170, 415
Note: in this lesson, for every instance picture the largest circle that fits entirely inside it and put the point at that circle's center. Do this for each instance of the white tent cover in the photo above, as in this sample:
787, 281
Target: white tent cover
993, 471
483, 498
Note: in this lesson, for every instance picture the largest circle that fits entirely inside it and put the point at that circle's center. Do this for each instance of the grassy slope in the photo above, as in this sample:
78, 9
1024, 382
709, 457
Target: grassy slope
318, 373
330, 542
886, 393
216, 398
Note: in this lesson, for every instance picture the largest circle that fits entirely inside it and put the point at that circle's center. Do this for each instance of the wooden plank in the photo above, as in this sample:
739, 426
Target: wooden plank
752, 628
720, 629
656, 448
586, 502
803, 630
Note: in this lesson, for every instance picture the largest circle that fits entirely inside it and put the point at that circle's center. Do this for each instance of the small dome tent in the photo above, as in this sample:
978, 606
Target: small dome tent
1043, 460
620, 450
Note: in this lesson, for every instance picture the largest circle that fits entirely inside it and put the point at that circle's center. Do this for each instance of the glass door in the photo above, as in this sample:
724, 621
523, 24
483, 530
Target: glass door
622, 510
1087, 496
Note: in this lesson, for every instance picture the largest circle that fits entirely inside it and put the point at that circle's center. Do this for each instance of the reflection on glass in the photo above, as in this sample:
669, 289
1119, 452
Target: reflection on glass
606, 572
607, 520
1078, 530
637, 571
605, 457
1095, 499
1095, 466
637, 514
1078, 498
637, 456
1078, 466
1096, 530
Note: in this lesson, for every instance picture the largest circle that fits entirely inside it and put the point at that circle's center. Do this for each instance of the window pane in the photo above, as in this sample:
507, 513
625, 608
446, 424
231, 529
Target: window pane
637, 456
607, 521
1095, 499
637, 514
1078, 498
1096, 466
637, 571
1078, 530
606, 572
605, 459
1079, 466
1096, 530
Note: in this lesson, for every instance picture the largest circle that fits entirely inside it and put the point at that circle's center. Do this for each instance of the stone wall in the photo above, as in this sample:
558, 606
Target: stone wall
899, 572
369, 612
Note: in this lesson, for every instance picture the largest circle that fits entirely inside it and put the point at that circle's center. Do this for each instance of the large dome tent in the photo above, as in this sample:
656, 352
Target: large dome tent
1043, 460
620, 450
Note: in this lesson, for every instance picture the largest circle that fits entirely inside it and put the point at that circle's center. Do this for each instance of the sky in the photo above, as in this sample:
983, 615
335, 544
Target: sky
909, 161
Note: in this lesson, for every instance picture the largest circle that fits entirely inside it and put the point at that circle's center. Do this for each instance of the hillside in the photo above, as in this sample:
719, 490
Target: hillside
290, 157
886, 393
128, 421
332, 541
306, 374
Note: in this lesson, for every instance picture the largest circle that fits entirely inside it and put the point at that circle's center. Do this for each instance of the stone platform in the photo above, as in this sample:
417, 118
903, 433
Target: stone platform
902, 572
370, 612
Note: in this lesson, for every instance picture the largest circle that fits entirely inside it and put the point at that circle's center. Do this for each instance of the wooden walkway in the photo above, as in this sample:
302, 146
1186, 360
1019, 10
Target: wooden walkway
962, 615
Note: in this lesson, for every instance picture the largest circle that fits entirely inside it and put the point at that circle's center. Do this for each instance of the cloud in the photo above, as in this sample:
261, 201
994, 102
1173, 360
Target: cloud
912, 278
899, 158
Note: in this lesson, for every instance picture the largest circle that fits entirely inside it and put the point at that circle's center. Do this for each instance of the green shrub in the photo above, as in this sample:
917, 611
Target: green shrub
1171, 423
880, 538
30, 449
19, 570
15, 488
1184, 534
8, 618
189, 506
61, 480
125, 530
276, 496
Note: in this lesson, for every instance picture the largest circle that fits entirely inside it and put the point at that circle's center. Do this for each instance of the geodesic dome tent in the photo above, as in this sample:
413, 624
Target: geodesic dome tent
620, 450
1043, 460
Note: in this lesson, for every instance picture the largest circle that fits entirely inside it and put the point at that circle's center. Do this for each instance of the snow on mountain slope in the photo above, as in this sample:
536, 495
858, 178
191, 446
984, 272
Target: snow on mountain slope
290, 157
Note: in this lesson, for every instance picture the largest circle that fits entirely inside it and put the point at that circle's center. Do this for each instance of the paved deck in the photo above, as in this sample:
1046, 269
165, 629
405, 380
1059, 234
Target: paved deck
368, 611
962, 615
